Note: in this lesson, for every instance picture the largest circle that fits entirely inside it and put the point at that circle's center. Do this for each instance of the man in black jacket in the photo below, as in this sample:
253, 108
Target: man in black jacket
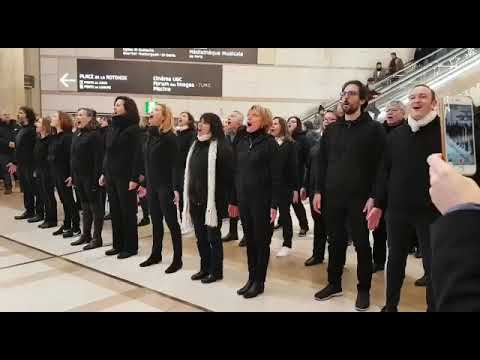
6, 150
404, 177
350, 153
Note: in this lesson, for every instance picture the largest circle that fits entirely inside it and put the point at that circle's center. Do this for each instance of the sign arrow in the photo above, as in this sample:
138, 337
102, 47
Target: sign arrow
64, 80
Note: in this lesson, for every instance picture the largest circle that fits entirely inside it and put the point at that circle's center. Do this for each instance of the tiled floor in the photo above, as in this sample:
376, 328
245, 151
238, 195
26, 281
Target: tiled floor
59, 277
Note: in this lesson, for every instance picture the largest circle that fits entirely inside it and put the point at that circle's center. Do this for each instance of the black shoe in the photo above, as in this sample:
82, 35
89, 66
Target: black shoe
93, 245
363, 301
24, 216
68, 234
303, 233
255, 290
418, 253
230, 237
242, 242
152, 260
245, 288
112, 252
107, 217
81, 241
36, 218
60, 231
77, 232
200, 275
174, 267
313, 261
387, 308
47, 225
377, 268
422, 282
328, 292
211, 278
144, 222
126, 254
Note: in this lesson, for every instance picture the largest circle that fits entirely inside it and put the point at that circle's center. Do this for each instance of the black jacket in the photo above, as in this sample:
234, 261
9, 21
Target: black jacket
185, 140
40, 153
312, 169
198, 179
141, 159
303, 149
122, 150
87, 153
24, 144
349, 156
404, 172
6, 136
389, 129
161, 152
287, 164
256, 174
455, 261
241, 132
59, 150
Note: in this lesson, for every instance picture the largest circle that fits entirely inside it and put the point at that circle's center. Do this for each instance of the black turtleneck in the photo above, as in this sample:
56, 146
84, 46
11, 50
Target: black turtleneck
40, 152
87, 154
59, 150
24, 144
349, 156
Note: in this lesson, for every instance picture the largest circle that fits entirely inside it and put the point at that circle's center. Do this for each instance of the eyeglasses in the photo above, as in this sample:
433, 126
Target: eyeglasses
348, 94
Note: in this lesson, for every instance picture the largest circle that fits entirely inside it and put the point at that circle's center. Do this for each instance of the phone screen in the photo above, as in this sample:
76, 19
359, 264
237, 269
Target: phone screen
459, 139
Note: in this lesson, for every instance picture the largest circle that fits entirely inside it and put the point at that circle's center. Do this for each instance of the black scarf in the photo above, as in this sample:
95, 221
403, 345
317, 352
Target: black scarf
121, 122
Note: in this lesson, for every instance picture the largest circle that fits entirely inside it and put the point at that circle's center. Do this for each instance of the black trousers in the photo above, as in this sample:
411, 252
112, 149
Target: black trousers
123, 209
301, 215
284, 214
47, 194
255, 216
160, 201
7, 179
93, 209
33, 204
144, 205
380, 243
209, 241
319, 232
65, 193
337, 216
401, 228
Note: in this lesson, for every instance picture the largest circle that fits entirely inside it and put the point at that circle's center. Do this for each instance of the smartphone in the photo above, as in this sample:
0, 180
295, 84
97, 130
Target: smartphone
458, 135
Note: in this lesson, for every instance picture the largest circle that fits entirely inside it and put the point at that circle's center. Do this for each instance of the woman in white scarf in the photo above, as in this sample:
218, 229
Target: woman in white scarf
208, 175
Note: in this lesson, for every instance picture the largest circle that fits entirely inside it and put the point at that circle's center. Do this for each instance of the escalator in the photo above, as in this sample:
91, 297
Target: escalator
445, 70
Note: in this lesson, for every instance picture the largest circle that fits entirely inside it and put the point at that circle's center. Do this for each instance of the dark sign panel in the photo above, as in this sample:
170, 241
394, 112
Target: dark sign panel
131, 77
216, 55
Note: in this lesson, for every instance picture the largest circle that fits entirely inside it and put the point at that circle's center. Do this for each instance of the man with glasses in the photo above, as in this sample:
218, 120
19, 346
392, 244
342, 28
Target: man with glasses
347, 166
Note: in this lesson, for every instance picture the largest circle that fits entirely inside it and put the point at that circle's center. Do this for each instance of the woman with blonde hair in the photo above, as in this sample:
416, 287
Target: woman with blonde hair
257, 180
160, 152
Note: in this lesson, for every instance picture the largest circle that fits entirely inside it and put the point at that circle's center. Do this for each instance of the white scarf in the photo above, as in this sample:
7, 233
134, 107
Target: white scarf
280, 140
416, 125
211, 218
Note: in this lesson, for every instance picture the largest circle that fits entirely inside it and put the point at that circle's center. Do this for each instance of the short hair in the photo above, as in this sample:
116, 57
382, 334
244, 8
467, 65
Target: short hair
30, 114
284, 127
370, 79
130, 108
379, 62
216, 125
167, 124
191, 119
393, 53
265, 114
93, 123
362, 91
434, 95
397, 103
240, 115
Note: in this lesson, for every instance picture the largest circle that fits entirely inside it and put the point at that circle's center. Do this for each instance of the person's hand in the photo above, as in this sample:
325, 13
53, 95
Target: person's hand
303, 194
295, 197
102, 181
448, 188
176, 199
233, 211
273, 215
368, 206
373, 218
69, 181
12, 168
317, 203
141, 178
11, 145
132, 185
142, 192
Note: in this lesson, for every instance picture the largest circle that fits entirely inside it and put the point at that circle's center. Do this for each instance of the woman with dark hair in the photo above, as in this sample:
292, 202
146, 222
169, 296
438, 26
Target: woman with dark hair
143, 201
257, 183
121, 176
86, 167
24, 165
161, 151
288, 194
59, 159
208, 177
303, 150
45, 180
186, 134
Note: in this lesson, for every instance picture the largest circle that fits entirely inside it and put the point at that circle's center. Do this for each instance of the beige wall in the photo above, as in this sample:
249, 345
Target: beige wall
12, 93
32, 67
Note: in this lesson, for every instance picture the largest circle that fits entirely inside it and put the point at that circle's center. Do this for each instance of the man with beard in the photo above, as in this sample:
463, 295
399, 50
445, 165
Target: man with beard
349, 156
